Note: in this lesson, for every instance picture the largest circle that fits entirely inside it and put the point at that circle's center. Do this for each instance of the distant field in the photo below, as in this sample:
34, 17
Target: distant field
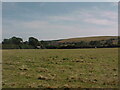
58, 68
97, 38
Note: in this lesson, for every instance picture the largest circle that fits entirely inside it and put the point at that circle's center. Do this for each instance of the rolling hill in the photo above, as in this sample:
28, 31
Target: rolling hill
87, 39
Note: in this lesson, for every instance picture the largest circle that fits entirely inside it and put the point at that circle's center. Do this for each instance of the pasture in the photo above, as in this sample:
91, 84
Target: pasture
60, 68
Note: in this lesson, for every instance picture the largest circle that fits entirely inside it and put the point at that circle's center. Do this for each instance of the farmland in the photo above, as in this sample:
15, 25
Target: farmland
97, 38
59, 68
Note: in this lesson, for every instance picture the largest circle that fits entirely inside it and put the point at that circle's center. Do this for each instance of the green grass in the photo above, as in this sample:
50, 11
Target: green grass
58, 68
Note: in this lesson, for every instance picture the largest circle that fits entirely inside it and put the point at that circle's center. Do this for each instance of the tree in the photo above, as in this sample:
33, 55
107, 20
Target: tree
12, 43
119, 41
6, 41
95, 43
16, 40
33, 42
109, 42
81, 44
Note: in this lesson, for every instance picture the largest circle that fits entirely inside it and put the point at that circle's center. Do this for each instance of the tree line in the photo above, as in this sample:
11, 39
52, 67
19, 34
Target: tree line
33, 43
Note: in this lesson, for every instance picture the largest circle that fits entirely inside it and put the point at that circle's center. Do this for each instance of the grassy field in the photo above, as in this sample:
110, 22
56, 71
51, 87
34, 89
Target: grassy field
60, 68
97, 38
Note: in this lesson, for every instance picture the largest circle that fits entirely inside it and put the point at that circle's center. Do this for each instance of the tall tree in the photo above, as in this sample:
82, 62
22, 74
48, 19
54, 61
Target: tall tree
13, 40
16, 40
33, 41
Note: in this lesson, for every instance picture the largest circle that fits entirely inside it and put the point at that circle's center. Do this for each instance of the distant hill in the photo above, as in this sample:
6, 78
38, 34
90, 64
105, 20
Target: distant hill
87, 39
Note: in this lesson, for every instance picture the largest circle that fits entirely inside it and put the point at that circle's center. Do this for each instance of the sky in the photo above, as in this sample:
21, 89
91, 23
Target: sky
59, 20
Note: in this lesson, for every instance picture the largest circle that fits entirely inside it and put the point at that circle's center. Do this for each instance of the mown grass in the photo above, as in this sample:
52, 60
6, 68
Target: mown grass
60, 68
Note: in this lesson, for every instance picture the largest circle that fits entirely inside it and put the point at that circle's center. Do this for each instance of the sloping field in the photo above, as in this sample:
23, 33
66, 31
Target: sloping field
88, 39
70, 68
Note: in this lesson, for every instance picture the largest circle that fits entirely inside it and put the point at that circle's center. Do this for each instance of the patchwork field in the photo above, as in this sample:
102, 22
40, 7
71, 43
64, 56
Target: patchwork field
60, 68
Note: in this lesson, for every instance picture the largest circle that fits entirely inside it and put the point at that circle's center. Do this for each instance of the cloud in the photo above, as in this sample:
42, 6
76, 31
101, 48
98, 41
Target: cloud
110, 14
106, 18
100, 17
34, 24
42, 4
62, 18
100, 21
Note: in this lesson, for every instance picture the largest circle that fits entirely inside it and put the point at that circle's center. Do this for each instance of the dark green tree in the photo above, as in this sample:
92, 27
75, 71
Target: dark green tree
119, 41
6, 41
109, 42
33, 42
16, 40
95, 43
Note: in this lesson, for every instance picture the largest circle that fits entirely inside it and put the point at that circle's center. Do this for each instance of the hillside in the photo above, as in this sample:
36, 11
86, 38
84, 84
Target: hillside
87, 39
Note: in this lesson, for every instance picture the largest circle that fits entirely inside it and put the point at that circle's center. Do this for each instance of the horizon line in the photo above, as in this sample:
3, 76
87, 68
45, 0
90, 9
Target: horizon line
67, 38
